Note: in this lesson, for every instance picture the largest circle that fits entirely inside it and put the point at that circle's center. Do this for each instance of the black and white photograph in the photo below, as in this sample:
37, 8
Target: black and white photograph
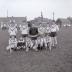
35, 35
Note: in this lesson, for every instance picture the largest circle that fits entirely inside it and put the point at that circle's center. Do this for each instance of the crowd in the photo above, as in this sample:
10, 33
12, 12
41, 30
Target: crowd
32, 37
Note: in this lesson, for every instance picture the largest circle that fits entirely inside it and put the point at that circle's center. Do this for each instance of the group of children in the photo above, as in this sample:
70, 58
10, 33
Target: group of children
35, 38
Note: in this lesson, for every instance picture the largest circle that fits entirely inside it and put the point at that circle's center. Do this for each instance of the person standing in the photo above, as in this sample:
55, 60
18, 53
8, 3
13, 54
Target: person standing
12, 30
53, 33
24, 33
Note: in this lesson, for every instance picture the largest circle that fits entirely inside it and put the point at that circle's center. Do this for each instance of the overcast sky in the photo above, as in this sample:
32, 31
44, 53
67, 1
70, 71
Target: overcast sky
32, 8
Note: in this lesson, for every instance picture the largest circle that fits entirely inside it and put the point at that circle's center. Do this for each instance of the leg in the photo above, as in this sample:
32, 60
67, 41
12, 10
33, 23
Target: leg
26, 45
55, 40
45, 43
35, 45
52, 41
50, 46
9, 48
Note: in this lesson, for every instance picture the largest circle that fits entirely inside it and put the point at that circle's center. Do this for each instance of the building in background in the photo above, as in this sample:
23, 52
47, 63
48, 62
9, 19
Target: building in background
4, 21
63, 22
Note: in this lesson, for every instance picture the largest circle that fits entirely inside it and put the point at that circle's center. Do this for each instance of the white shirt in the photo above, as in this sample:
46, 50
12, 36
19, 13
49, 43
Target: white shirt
12, 41
41, 30
12, 30
47, 30
24, 29
54, 28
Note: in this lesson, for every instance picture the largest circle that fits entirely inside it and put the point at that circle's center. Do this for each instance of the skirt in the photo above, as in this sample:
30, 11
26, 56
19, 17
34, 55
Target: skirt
52, 34
24, 35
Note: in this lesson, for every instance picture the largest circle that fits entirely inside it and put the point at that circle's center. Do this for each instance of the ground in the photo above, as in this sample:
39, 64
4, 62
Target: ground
58, 60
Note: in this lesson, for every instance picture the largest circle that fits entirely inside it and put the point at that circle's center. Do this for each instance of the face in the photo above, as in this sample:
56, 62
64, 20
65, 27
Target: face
53, 23
21, 38
13, 38
12, 22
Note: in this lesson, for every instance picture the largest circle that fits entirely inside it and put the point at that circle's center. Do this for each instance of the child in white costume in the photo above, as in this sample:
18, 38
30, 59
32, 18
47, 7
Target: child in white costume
53, 33
44, 38
24, 34
40, 39
12, 43
24, 30
12, 28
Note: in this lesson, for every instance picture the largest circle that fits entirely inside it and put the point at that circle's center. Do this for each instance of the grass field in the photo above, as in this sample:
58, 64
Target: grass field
58, 60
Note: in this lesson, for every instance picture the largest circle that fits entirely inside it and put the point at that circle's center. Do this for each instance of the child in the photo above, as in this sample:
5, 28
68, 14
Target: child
33, 34
12, 43
21, 43
12, 29
53, 33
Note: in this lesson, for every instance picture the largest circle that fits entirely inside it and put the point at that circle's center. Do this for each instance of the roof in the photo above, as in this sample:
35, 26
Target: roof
41, 21
18, 20
64, 21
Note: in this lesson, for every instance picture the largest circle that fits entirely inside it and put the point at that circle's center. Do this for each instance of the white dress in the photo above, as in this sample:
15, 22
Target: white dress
13, 43
12, 30
24, 29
